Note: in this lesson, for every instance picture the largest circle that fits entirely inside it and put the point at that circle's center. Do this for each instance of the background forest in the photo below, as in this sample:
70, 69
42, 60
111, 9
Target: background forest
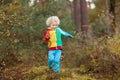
93, 53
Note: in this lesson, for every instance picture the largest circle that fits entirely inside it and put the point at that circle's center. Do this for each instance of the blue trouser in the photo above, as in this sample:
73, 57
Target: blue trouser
54, 57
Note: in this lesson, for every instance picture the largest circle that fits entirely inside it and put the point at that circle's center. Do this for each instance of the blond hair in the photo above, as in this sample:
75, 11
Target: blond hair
52, 19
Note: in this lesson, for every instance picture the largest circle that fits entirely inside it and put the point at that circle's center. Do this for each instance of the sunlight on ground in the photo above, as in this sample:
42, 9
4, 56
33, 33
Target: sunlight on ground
43, 73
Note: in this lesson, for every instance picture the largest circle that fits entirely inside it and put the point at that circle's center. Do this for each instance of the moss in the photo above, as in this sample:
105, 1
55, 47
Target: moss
36, 72
43, 73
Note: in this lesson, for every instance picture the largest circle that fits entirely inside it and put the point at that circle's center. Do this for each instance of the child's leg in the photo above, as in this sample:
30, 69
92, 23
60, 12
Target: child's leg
50, 58
57, 56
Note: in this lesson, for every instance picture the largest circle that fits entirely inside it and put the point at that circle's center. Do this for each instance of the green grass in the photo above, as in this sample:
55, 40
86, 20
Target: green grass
43, 73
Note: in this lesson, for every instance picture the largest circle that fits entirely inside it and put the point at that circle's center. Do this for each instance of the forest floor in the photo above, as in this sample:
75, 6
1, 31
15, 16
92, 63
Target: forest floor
29, 72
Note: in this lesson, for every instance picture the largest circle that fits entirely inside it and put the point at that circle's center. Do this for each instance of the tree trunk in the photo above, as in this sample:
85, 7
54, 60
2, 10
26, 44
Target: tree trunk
107, 19
76, 15
112, 16
84, 19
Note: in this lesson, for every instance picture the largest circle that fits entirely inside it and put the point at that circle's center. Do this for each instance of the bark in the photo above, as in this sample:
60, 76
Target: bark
112, 16
76, 14
84, 19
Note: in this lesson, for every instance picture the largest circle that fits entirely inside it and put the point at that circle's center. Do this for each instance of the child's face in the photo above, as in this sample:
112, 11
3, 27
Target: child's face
53, 23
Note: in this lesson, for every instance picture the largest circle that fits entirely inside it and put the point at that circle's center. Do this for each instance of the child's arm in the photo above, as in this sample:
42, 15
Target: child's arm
65, 33
46, 36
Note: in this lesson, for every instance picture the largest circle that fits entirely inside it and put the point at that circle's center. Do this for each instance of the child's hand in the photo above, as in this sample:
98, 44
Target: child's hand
71, 36
47, 36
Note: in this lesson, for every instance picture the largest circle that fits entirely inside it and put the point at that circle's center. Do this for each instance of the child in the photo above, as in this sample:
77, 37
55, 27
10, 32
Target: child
53, 37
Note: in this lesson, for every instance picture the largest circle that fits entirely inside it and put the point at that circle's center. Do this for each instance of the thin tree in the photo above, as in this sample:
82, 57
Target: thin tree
76, 15
107, 19
112, 16
84, 19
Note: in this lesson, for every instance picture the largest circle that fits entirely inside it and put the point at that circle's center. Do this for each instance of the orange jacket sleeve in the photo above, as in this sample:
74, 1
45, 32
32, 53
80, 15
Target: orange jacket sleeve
46, 36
